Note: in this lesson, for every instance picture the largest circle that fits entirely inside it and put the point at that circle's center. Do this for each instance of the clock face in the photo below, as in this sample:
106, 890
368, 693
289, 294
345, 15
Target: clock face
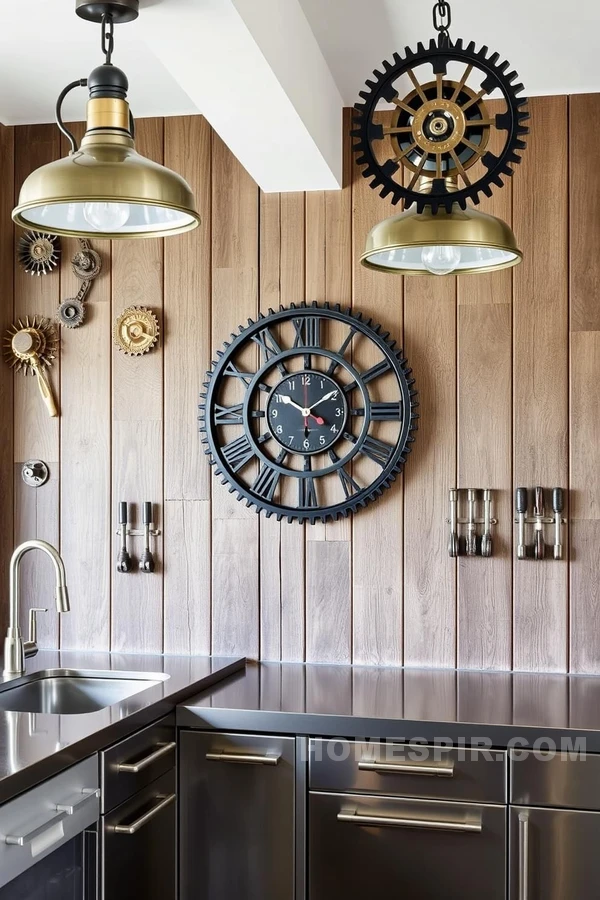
308, 413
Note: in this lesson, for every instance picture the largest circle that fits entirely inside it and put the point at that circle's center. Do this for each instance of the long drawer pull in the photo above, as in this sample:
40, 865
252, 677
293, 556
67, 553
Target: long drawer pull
248, 759
350, 815
142, 764
71, 808
21, 840
147, 817
523, 856
445, 770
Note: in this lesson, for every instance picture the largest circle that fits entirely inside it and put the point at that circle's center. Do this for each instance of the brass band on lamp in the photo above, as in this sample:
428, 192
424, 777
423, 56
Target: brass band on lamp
104, 188
468, 241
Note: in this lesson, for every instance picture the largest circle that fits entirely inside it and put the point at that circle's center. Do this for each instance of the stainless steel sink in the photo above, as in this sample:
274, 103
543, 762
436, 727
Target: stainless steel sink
72, 691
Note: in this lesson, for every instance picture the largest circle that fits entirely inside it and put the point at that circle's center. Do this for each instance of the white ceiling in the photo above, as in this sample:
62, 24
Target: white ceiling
554, 46
272, 75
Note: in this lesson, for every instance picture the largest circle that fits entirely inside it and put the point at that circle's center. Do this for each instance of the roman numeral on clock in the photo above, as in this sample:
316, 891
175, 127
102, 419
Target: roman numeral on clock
307, 493
231, 369
266, 482
228, 415
378, 451
376, 371
308, 332
238, 453
269, 347
348, 483
386, 412
347, 341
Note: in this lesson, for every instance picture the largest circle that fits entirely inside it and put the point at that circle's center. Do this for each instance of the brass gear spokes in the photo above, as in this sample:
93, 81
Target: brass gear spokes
441, 126
136, 330
38, 252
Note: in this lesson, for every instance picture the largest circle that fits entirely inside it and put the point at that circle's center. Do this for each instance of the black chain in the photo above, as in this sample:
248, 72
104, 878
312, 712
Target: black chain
108, 37
442, 20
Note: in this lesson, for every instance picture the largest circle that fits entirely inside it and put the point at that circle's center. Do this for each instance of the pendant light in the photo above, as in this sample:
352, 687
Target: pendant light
104, 188
436, 155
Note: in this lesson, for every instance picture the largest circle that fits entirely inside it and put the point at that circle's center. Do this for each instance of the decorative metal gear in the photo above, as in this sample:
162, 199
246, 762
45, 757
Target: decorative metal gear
44, 344
136, 330
86, 263
442, 127
305, 433
71, 313
38, 252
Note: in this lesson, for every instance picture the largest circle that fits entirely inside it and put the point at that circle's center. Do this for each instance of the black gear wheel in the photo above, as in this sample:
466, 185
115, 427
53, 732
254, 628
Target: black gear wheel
222, 366
366, 132
71, 313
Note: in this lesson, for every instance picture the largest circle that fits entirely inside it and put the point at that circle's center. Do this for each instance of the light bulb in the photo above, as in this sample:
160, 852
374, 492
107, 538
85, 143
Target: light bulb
440, 260
106, 217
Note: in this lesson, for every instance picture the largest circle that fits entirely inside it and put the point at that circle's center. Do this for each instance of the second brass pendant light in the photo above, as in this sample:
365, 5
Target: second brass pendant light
104, 188
444, 147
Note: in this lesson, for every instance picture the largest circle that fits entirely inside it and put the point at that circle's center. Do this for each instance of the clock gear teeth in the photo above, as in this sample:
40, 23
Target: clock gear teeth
71, 313
136, 331
431, 122
38, 252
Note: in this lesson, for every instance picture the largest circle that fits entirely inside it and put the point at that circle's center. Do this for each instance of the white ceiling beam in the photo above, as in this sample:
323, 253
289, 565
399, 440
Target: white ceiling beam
255, 70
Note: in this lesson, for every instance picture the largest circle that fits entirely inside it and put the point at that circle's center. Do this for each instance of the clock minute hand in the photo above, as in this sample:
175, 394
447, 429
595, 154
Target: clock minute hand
323, 399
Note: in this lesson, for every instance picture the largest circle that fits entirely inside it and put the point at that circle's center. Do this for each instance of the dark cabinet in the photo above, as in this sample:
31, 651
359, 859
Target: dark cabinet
362, 846
138, 828
237, 818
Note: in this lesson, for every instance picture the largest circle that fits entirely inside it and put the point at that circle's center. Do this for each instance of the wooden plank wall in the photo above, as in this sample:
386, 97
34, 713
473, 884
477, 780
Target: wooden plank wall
507, 366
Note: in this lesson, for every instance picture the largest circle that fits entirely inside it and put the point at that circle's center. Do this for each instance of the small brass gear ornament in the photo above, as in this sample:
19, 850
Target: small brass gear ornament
136, 330
38, 252
30, 347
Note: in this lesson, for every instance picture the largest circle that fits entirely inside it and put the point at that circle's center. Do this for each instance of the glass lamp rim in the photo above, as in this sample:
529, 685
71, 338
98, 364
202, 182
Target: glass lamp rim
516, 257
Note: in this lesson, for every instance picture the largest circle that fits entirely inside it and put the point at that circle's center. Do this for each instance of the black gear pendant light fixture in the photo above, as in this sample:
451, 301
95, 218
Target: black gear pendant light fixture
104, 188
436, 155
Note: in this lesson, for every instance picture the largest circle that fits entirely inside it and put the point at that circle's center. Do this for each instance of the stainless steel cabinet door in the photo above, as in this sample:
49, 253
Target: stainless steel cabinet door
236, 817
363, 846
139, 845
554, 854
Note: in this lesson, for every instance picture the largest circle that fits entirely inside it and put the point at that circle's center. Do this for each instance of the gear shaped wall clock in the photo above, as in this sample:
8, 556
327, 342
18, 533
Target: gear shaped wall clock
309, 412
436, 152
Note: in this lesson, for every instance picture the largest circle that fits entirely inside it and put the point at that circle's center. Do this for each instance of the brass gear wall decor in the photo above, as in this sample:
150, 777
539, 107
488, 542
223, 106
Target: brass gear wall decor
38, 252
136, 330
71, 313
30, 347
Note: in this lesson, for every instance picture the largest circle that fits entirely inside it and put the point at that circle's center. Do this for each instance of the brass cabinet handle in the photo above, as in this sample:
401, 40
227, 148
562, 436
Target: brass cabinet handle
134, 768
350, 815
442, 771
147, 817
523, 856
248, 759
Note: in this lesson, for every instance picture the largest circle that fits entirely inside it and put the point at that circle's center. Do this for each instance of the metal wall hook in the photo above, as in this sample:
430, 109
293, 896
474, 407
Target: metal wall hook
538, 521
477, 537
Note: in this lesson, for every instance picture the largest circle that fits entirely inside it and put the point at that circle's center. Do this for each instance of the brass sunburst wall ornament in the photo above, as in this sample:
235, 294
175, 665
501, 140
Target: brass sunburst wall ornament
38, 252
30, 347
436, 155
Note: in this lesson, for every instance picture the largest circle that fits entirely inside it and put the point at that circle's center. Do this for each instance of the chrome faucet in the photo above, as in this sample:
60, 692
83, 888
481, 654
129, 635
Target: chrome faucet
15, 649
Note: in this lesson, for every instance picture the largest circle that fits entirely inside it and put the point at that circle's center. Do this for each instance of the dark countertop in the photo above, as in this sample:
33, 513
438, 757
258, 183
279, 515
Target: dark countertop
404, 704
34, 747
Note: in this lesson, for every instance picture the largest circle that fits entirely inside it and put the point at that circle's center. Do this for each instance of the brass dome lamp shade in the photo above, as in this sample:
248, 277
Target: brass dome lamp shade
462, 241
438, 151
104, 188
